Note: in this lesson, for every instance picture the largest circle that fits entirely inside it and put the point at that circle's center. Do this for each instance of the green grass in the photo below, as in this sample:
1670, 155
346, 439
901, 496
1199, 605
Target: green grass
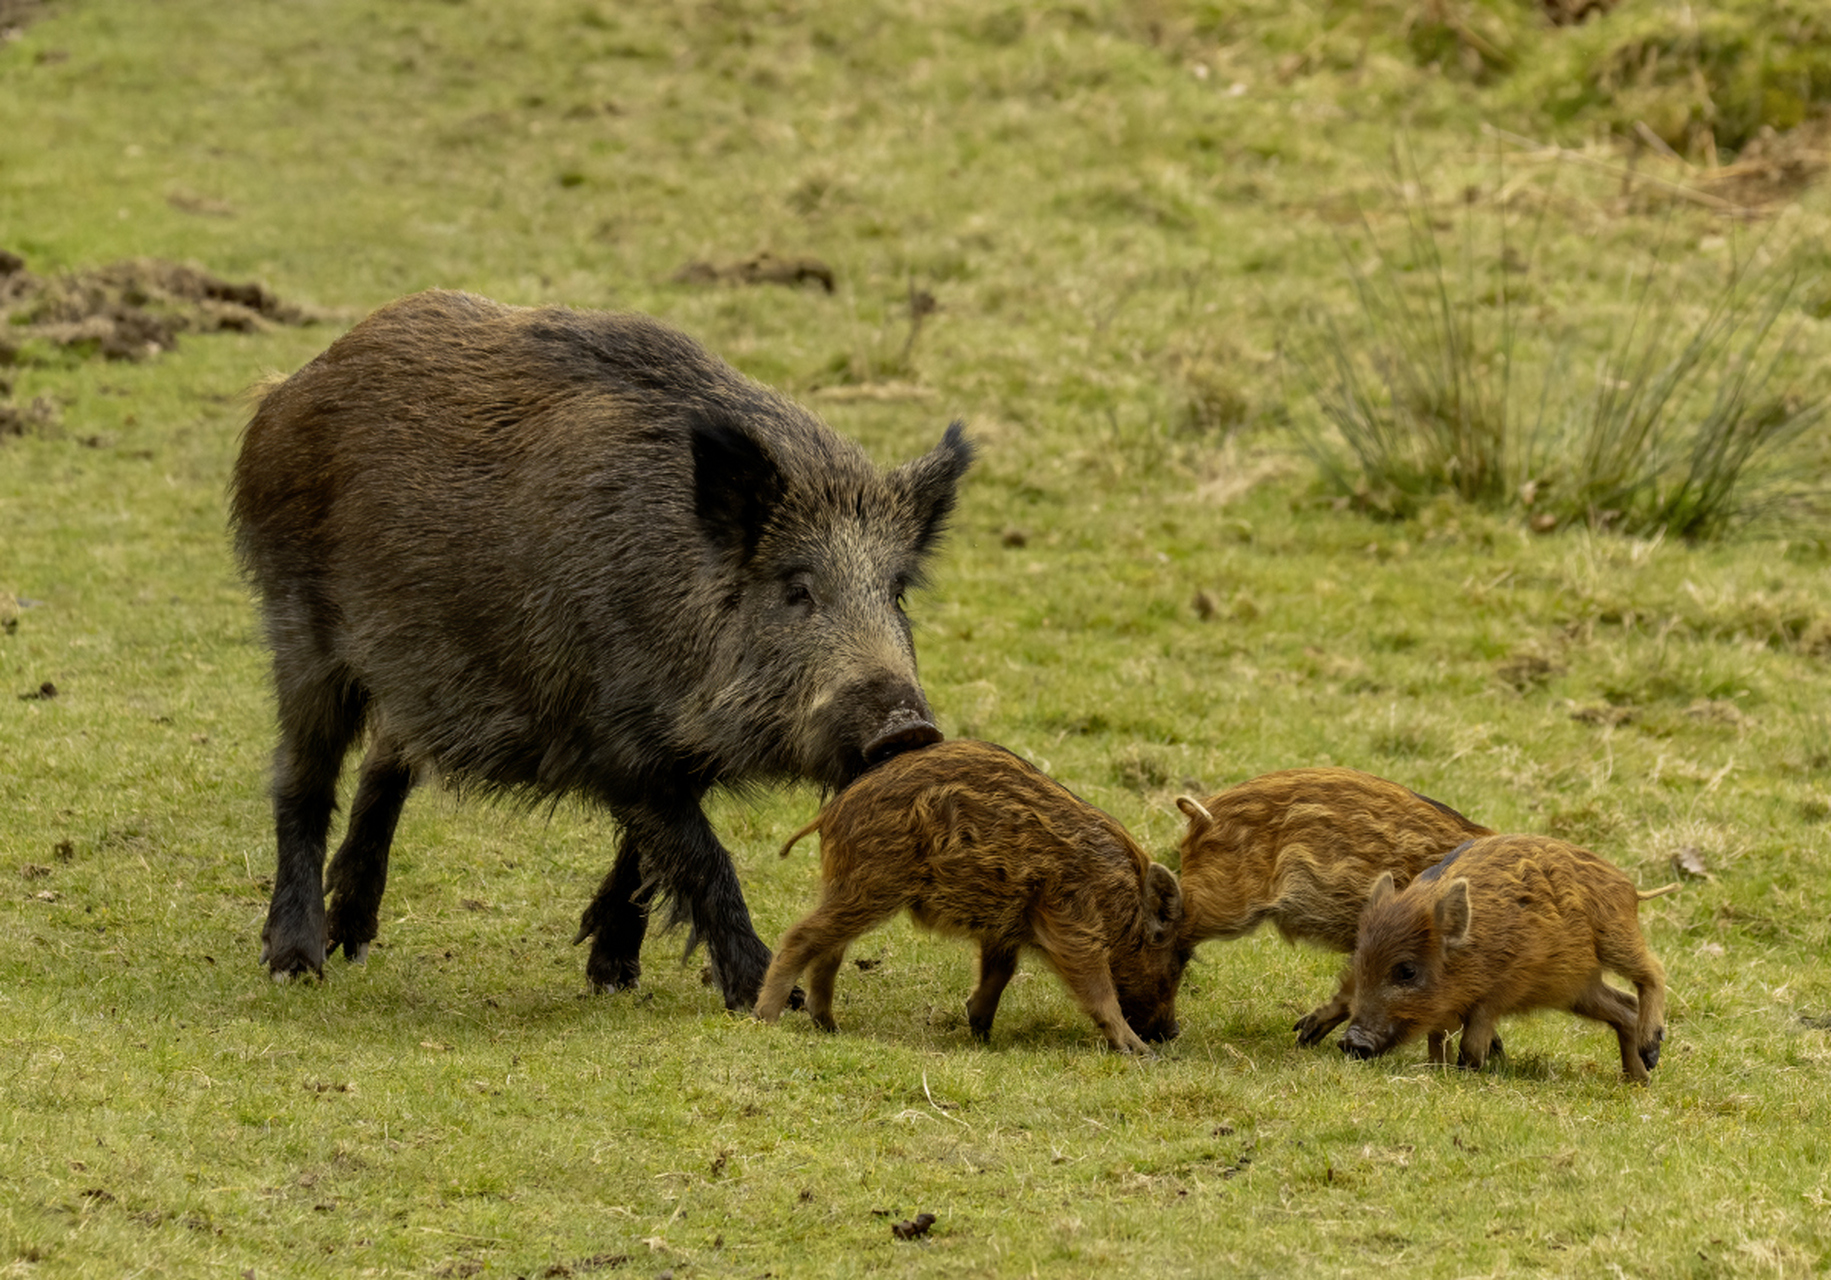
1148, 591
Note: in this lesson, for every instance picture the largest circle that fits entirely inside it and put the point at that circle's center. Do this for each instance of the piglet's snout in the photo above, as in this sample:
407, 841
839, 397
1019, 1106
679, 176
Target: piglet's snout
1356, 1043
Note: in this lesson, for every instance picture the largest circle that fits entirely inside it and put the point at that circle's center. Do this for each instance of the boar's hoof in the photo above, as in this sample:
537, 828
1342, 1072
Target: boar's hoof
613, 973
901, 736
1649, 1053
294, 961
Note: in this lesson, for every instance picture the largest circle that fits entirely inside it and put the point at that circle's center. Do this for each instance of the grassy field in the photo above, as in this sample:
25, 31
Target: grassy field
1122, 216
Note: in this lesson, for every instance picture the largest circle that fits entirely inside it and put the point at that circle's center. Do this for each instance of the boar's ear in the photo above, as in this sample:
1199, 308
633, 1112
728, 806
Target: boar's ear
1382, 890
1453, 913
1163, 904
736, 484
928, 484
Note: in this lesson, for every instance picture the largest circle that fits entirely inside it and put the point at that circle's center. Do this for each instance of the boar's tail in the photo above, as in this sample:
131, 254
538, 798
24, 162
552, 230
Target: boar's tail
815, 826
1660, 892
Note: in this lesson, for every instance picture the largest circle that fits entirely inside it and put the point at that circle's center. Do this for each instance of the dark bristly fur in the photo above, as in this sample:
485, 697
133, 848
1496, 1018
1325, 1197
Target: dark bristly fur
556, 552
1511, 924
1301, 848
977, 843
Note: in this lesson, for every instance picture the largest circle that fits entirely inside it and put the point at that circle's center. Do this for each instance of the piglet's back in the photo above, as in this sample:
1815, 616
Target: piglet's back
964, 805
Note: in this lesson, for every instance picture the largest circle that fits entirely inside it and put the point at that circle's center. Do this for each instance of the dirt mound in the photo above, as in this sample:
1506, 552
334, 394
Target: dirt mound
16, 15
128, 310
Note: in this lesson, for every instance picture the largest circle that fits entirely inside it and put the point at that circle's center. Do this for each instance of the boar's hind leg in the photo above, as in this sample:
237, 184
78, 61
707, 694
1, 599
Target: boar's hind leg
616, 921
1324, 1018
319, 719
996, 965
359, 873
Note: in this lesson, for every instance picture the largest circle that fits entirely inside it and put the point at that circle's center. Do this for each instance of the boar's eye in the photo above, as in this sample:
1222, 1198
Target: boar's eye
1405, 971
797, 594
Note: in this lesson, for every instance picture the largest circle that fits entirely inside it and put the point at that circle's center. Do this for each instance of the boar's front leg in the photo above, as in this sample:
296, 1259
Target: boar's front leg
616, 921
358, 875
1324, 1018
996, 965
669, 847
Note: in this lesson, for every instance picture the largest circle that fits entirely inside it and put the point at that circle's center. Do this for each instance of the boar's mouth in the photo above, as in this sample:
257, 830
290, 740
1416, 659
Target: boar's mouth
902, 734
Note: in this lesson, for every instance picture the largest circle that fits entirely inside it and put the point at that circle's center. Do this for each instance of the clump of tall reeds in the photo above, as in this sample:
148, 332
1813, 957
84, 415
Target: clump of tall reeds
1656, 411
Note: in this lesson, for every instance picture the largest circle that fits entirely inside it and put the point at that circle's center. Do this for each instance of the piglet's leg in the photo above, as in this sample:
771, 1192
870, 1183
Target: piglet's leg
820, 940
1621, 1011
1077, 956
1626, 953
822, 973
1477, 1039
1324, 1018
996, 965
1438, 1056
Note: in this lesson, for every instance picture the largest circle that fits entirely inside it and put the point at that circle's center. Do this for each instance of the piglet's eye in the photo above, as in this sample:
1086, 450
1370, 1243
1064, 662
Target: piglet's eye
1405, 971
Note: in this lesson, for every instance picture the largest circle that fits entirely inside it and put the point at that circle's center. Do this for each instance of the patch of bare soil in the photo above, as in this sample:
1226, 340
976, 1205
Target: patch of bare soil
1775, 167
16, 15
764, 268
129, 310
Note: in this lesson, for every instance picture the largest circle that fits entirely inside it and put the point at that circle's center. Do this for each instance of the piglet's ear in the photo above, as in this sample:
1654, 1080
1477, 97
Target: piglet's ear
1382, 890
929, 485
1163, 904
736, 484
1196, 812
1452, 913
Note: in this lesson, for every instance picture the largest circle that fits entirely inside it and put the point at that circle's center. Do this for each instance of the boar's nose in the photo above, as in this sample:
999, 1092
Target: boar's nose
904, 733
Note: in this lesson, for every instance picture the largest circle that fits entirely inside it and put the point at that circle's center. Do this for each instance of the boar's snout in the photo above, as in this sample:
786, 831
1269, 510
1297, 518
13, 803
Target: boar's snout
901, 733
867, 723
1358, 1042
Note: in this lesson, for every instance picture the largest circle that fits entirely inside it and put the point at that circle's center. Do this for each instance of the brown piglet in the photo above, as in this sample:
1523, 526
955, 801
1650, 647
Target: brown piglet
977, 843
1302, 848
1505, 925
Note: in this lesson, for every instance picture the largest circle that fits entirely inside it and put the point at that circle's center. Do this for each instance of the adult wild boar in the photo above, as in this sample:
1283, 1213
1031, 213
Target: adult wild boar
1302, 848
558, 552
978, 843
1505, 925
